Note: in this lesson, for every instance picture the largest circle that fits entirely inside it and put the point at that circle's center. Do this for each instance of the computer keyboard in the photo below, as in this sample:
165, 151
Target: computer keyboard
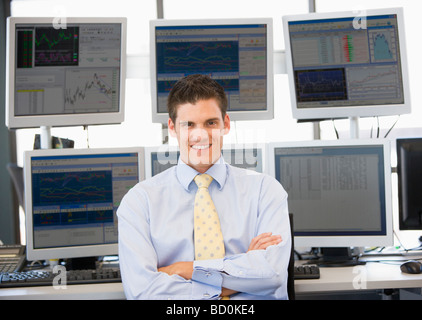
307, 271
105, 275
46, 278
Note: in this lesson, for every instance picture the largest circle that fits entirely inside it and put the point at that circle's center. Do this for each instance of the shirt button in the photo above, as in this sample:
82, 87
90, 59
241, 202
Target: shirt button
206, 295
208, 274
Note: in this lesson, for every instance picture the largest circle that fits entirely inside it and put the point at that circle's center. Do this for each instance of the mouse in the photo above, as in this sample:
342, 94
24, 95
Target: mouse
411, 266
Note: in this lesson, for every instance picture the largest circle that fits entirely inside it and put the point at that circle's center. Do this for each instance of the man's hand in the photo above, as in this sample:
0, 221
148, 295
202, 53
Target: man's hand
183, 269
263, 241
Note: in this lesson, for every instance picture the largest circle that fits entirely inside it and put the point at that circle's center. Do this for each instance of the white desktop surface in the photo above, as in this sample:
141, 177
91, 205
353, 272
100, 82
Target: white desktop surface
108, 291
371, 276
367, 277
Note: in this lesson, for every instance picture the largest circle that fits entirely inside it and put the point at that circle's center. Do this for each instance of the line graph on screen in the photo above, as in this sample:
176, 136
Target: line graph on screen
70, 188
373, 82
201, 57
91, 91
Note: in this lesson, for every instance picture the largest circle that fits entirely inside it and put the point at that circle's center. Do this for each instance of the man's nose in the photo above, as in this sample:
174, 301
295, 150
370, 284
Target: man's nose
198, 134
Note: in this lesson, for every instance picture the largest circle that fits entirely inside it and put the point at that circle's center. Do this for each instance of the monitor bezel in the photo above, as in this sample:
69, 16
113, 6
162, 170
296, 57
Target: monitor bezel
261, 149
267, 114
336, 112
336, 240
60, 120
71, 251
403, 184
149, 151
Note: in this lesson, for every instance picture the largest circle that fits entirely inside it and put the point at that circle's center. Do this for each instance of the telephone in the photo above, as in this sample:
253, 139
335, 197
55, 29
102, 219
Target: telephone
12, 258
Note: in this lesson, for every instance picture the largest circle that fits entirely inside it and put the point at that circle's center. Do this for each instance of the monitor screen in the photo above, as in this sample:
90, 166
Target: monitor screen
251, 158
347, 64
339, 192
237, 53
158, 159
409, 173
66, 75
71, 199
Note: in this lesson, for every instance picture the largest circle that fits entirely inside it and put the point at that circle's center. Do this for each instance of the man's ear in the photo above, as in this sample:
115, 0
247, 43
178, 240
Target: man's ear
172, 128
226, 124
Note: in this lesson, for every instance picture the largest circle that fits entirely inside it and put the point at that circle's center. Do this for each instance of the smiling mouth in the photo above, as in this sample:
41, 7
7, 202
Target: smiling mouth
201, 147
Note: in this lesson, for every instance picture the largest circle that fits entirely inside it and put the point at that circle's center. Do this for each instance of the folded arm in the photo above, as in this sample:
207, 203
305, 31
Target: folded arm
185, 269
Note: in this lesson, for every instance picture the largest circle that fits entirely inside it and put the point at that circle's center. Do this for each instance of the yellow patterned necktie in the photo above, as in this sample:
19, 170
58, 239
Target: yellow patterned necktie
209, 242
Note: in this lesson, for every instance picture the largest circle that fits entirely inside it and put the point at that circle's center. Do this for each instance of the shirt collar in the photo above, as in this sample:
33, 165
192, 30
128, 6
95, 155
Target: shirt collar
185, 173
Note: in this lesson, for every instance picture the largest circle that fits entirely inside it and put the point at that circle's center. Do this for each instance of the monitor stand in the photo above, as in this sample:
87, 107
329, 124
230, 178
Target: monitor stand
87, 263
337, 257
354, 127
45, 137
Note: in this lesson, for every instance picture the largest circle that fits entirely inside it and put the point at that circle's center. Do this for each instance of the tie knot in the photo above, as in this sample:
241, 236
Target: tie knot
203, 180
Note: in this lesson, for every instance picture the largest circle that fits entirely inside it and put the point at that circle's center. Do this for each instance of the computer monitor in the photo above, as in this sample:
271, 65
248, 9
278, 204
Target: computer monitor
65, 74
339, 192
347, 64
237, 53
246, 157
158, 159
71, 199
409, 174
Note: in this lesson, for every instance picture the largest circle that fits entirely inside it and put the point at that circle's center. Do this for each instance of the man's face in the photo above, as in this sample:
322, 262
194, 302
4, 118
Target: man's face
199, 129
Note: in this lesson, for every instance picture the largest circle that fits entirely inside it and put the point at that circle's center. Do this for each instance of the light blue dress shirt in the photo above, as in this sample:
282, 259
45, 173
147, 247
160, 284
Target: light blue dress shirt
155, 221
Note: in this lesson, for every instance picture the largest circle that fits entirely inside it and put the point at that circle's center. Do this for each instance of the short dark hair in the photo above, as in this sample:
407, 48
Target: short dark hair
193, 88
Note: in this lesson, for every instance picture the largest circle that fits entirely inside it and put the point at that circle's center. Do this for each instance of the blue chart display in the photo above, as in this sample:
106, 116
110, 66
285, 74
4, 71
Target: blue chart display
227, 84
68, 188
320, 85
73, 198
382, 47
203, 57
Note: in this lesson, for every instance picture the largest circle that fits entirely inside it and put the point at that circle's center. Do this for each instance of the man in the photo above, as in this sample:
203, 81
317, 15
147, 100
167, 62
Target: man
156, 220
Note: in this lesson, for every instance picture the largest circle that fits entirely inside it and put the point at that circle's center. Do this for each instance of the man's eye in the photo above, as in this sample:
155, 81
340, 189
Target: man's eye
185, 124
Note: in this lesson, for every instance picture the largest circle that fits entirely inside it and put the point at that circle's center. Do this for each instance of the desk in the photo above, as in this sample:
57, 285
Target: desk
102, 291
371, 276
